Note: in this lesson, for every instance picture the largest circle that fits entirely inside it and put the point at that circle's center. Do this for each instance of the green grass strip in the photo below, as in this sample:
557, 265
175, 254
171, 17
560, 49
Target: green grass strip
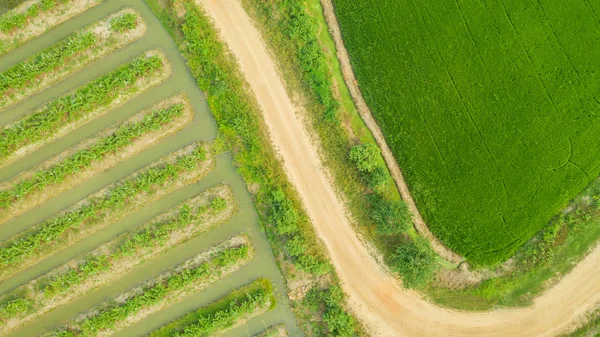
115, 142
21, 24
234, 309
75, 107
11, 21
23, 73
68, 55
116, 257
101, 208
194, 274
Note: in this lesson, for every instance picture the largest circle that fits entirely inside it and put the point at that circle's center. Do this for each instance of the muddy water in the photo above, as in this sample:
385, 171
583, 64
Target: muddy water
202, 128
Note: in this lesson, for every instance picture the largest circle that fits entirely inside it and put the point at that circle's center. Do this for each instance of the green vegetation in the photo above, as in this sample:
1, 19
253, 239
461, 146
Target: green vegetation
23, 73
158, 293
241, 129
63, 58
589, 329
103, 207
77, 106
349, 149
110, 144
491, 112
538, 264
124, 23
12, 21
116, 257
235, 308
415, 262
334, 320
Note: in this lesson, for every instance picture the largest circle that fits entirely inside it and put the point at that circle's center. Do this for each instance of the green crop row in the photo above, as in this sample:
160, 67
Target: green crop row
64, 57
84, 158
102, 207
162, 291
116, 257
11, 21
23, 73
73, 107
240, 305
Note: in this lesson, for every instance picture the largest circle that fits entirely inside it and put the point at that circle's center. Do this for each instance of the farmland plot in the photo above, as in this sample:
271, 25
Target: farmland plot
117, 211
492, 109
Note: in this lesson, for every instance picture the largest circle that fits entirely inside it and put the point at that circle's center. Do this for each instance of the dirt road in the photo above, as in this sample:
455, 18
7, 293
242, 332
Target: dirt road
374, 295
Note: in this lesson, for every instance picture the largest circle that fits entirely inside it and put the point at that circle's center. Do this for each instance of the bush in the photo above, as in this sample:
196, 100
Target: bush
390, 217
415, 262
365, 157
282, 214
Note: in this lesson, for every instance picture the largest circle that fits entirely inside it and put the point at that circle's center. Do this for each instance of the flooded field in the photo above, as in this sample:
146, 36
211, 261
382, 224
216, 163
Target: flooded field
201, 128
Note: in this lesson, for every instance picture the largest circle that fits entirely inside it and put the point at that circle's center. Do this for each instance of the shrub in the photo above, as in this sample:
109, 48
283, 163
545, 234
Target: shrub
282, 213
415, 262
365, 157
390, 217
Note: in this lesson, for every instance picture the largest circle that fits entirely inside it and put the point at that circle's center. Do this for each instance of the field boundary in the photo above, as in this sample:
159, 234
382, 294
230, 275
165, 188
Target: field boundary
367, 117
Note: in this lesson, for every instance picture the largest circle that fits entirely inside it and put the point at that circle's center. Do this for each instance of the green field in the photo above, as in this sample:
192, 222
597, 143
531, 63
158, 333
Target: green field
492, 109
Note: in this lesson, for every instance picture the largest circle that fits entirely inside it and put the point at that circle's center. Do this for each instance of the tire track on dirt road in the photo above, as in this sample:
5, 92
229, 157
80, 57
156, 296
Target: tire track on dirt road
373, 294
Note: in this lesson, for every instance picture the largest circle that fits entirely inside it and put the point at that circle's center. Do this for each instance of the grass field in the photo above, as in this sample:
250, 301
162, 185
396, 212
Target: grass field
491, 109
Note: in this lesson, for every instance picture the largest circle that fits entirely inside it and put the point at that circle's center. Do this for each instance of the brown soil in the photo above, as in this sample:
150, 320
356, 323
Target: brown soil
373, 294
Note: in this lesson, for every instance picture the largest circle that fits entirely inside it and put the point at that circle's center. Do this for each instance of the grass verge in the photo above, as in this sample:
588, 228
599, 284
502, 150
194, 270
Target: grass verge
65, 57
228, 312
168, 174
93, 156
33, 18
62, 115
116, 257
299, 253
168, 288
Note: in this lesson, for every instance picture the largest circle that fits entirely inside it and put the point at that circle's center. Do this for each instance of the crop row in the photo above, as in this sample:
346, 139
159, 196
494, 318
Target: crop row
68, 55
192, 275
13, 21
116, 257
168, 174
234, 309
110, 147
64, 113
22, 24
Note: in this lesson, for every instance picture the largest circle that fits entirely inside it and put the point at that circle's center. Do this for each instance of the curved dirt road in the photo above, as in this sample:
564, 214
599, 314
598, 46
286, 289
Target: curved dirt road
374, 295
